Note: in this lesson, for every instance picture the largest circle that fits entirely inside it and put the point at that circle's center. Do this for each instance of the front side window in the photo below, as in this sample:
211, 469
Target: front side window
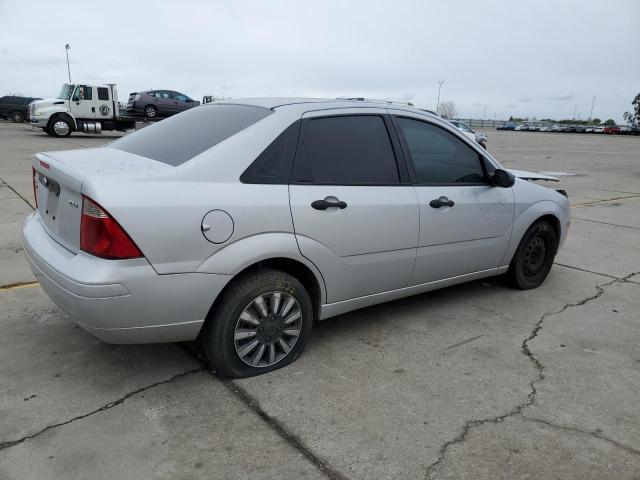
438, 156
181, 98
83, 92
350, 150
66, 91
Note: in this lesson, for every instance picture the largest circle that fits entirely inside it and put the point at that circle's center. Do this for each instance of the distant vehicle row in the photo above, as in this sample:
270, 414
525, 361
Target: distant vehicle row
539, 127
93, 108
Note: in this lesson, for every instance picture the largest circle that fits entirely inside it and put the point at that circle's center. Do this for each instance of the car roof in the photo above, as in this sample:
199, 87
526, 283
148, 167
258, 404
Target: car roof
273, 103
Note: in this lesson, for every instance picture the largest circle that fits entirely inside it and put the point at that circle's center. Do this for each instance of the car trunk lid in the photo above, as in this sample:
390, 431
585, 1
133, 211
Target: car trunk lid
59, 178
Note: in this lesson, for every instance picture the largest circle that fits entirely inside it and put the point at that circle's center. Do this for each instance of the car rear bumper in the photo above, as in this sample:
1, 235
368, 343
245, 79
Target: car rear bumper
120, 301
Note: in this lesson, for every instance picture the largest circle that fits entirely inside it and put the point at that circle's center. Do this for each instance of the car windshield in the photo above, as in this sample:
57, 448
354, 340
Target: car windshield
66, 91
179, 138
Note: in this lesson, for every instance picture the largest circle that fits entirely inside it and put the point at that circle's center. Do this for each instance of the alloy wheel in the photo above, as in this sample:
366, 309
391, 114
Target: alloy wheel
267, 329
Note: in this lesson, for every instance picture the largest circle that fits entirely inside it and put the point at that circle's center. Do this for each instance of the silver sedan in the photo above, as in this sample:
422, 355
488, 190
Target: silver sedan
238, 224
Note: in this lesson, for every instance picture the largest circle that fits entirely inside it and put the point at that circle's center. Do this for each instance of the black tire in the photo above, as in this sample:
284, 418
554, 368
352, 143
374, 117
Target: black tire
150, 111
534, 258
217, 341
47, 131
60, 126
17, 116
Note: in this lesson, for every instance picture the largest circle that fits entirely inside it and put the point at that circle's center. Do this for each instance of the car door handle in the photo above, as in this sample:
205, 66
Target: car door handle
441, 202
324, 204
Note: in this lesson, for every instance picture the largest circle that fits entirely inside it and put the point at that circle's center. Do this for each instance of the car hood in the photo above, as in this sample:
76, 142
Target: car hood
533, 176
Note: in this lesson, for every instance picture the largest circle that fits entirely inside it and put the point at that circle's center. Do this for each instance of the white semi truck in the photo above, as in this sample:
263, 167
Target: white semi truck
81, 108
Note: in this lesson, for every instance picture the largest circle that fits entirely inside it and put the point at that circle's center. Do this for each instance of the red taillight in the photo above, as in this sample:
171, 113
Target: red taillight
35, 185
102, 236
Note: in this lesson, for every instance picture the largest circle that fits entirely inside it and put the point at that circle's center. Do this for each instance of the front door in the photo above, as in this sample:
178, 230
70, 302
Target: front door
355, 214
465, 222
82, 103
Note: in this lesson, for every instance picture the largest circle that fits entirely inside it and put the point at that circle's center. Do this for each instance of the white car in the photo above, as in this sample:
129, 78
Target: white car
468, 132
241, 223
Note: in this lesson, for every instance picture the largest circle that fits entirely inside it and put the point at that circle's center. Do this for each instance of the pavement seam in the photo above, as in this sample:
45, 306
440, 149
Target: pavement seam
18, 194
12, 286
281, 430
604, 223
586, 204
524, 348
588, 271
108, 406
592, 433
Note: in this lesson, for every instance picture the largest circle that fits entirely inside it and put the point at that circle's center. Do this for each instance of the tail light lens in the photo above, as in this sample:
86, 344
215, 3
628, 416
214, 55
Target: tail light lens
102, 236
35, 185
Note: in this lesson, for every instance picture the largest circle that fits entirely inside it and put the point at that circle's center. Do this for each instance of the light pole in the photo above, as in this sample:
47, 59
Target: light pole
66, 50
591, 113
440, 82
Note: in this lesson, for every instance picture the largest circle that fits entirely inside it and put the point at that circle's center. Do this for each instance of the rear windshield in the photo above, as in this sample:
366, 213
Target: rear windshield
180, 138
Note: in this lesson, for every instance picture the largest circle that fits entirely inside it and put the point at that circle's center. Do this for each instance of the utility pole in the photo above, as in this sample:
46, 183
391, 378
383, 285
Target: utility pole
440, 82
592, 102
66, 49
575, 109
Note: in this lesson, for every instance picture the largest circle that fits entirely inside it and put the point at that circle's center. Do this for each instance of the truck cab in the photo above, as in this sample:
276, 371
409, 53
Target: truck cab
82, 108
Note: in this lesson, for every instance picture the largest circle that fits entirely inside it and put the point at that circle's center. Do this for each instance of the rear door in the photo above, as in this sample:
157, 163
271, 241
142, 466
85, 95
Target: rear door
465, 223
354, 211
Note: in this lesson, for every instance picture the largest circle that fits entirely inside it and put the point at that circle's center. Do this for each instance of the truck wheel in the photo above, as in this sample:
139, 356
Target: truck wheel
60, 127
17, 117
150, 111
261, 323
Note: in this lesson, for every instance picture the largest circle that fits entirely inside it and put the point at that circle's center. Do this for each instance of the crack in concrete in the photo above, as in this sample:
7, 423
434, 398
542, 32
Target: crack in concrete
517, 410
18, 194
587, 271
593, 433
108, 406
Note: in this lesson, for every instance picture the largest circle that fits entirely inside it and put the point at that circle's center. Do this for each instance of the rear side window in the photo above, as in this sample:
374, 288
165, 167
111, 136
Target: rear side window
349, 150
438, 156
103, 93
180, 138
273, 165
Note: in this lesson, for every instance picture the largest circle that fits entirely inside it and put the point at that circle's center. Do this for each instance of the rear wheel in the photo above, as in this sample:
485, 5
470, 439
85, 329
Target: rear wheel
150, 111
17, 117
533, 259
261, 323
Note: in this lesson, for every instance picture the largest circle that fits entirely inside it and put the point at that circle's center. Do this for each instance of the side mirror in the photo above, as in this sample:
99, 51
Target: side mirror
502, 178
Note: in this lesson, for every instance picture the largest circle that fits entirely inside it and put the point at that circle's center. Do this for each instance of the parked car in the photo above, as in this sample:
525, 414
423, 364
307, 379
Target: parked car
521, 127
238, 224
557, 128
468, 132
15, 108
588, 129
545, 128
598, 129
611, 129
625, 130
159, 103
507, 126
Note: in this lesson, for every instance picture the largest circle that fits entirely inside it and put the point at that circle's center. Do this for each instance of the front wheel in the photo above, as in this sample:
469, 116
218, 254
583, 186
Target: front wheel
261, 323
533, 259
60, 127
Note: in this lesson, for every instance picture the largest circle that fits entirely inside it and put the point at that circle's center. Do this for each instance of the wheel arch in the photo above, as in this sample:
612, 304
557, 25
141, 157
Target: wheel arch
67, 116
544, 210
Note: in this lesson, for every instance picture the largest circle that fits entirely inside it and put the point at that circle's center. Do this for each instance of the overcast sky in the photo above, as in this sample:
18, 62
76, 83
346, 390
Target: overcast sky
540, 58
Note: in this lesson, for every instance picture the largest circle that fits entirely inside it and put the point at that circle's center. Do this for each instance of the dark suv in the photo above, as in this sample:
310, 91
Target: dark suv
158, 103
15, 108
